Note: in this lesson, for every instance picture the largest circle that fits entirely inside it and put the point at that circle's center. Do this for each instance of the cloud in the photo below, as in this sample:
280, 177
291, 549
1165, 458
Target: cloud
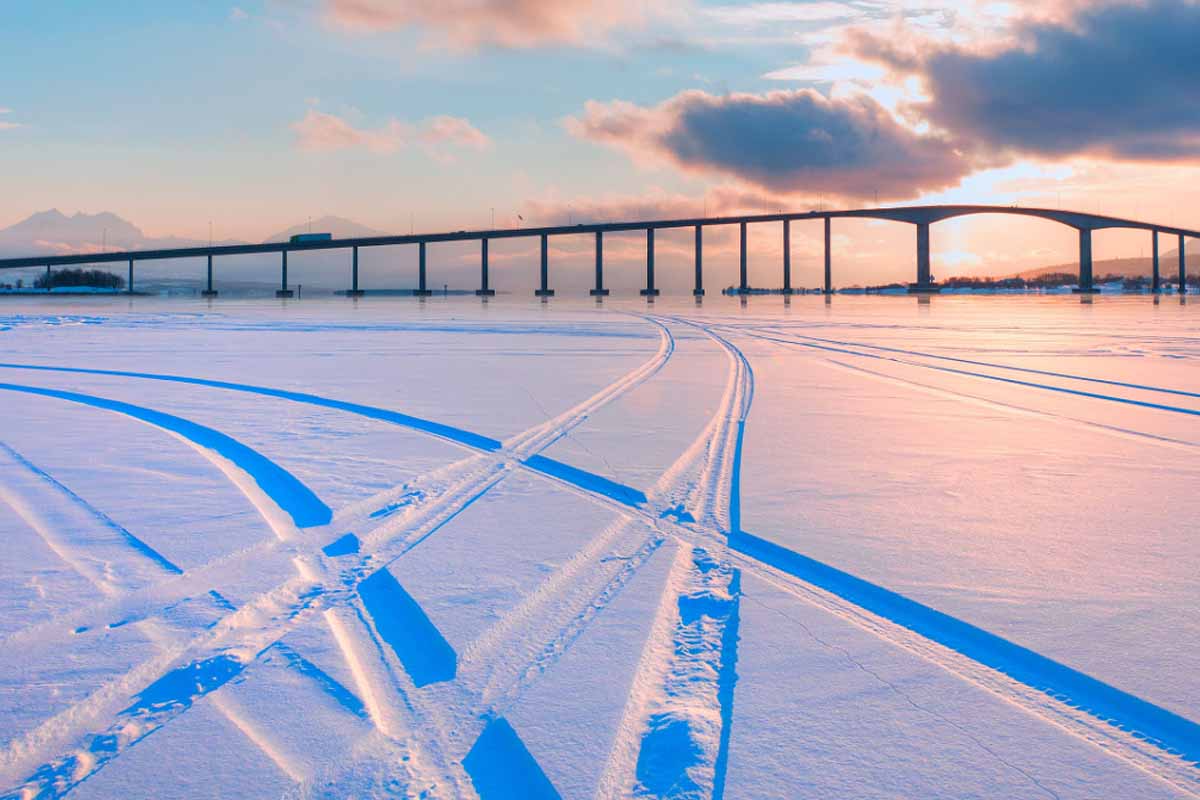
508, 23
1114, 80
783, 141
782, 12
322, 132
238, 14
4, 124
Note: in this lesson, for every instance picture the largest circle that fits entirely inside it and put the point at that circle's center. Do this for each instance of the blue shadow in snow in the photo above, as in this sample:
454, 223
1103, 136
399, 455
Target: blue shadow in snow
341, 546
459, 435
1161, 727
326, 682
296, 499
182, 686
402, 624
133, 541
726, 681
587, 481
501, 768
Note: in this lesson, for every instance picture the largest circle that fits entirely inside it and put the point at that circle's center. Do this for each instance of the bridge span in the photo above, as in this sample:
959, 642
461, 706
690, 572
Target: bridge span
922, 217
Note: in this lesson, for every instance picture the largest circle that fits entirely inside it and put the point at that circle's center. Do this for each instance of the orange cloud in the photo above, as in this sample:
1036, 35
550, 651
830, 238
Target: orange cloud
322, 132
508, 23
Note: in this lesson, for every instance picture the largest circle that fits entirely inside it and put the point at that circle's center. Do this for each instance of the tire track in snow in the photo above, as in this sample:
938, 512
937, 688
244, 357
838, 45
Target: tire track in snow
977, 363
214, 671
1149, 737
1038, 701
274, 488
673, 738
78, 532
985, 376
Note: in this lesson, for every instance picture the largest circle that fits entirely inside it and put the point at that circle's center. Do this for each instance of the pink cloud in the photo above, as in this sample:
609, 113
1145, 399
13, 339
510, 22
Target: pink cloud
508, 23
322, 132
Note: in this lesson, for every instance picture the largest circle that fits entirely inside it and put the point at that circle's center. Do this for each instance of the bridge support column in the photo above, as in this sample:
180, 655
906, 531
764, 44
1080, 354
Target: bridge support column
283, 290
743, 284
354, 290
598, 290
129, 282
649, 291
787, 256
698, 291
209, 291
422, 289
828, 258
1155, 279
1085, 263
545, 290
924, 284
484, 289
1182, 267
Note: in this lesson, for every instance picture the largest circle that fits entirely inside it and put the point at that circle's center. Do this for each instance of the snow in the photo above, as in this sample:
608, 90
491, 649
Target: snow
869, 547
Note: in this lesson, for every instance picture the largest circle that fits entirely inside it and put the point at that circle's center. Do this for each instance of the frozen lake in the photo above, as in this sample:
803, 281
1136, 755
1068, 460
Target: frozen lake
868, 548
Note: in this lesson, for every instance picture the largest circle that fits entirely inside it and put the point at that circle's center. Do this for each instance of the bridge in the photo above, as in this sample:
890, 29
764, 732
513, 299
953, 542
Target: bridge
922, 217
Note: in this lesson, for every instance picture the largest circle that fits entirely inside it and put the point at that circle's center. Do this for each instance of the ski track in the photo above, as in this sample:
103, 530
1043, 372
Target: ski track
726, 549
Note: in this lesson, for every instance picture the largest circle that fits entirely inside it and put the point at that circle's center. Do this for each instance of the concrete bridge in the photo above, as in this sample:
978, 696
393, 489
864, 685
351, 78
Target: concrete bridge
920, 216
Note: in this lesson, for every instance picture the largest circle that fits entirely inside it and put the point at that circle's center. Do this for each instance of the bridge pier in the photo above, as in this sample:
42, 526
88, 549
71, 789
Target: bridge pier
598, 290
129, 282
1182, 267
1155, 280
354, 290
649, 291
828, 258
484, 289
698, 291
283, 290
787, 257
422, 290
545, 290
1085, 263
209, 291
743, 284
924, 284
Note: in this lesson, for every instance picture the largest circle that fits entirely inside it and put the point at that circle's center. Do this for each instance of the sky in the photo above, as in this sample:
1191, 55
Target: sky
446, 114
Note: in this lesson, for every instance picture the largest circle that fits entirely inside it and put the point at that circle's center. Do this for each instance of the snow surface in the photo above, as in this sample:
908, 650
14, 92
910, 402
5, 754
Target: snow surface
872, 547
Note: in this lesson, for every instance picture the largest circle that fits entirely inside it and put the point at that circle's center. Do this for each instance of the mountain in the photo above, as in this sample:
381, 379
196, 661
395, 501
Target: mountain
340, 227
1168, 266
54, 233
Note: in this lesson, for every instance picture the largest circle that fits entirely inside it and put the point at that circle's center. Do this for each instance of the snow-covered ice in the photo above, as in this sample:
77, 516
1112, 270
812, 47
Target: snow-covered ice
871, 547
